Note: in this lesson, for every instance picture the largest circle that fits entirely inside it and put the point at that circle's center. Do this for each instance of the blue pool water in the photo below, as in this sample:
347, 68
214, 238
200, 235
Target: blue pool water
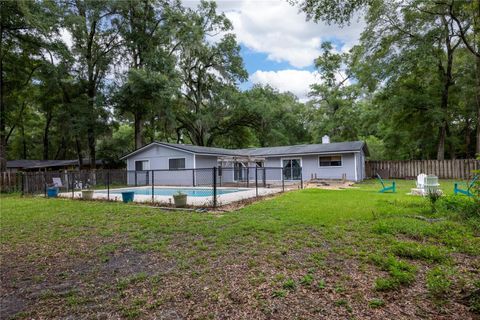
158, 191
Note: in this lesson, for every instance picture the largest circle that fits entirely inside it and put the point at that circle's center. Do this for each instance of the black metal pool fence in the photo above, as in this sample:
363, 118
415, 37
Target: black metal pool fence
207, 183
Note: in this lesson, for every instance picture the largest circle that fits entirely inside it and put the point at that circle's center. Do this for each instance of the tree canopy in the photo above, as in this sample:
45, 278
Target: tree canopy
95, 79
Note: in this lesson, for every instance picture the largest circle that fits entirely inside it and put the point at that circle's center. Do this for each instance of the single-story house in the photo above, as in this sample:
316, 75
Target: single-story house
339, 160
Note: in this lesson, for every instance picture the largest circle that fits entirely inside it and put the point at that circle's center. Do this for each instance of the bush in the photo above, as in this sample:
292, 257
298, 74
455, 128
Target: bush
466, 207
433, 197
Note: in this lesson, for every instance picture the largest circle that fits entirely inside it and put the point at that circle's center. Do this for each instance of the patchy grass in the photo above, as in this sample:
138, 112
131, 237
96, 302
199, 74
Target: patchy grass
376, 303
439, 281
304, 254
400, 272
413, 250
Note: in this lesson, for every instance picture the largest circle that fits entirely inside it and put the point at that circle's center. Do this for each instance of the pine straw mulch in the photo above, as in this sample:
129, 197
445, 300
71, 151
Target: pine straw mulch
246, 281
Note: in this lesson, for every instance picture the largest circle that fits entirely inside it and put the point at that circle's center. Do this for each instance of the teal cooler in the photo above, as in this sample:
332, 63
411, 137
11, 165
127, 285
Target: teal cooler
127, 196
52, 192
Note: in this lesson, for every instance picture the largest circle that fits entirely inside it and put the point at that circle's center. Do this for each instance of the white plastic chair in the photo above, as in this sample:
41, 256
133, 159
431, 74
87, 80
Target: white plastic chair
421, 180
431, 184
57, 182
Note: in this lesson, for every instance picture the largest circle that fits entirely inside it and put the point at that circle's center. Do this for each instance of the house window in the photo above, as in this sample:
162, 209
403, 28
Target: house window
175, 164
141, 165
332, 161
259, 164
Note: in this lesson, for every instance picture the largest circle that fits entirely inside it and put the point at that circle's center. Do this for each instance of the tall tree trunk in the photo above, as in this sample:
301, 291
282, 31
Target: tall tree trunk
152, 129
3, 136
467, 138
446, 76
61, 148
477, 95
139, 141
46, 132
442, 134
24, 142
442, 130
91, 147
91, 138
78, 148
476, 37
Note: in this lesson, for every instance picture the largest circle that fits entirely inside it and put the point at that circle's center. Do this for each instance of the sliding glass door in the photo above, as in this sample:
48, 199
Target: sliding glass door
238, 172
292, 169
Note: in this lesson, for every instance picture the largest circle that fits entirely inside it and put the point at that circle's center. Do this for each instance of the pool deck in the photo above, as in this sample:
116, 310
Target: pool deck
207, 201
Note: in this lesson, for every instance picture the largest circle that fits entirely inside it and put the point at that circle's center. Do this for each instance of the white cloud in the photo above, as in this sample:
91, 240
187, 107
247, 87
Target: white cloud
278, 29
295, 81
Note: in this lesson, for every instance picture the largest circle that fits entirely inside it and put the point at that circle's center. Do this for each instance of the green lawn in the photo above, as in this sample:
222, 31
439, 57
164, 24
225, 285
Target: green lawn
305, 254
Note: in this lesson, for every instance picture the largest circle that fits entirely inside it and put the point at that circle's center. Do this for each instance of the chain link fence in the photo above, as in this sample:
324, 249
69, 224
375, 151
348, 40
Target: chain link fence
206, 187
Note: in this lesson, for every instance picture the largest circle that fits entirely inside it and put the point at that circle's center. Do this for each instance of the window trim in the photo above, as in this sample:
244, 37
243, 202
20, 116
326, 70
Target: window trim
176, 158
323, 167
142, 160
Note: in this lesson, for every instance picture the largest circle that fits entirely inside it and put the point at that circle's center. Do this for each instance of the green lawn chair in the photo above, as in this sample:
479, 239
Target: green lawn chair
384, 187
468, 192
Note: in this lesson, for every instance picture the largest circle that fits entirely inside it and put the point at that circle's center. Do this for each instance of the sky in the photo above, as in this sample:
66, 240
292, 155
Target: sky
278, 45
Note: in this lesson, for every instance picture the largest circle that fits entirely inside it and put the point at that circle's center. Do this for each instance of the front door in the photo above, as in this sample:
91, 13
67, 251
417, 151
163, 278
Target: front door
292, 170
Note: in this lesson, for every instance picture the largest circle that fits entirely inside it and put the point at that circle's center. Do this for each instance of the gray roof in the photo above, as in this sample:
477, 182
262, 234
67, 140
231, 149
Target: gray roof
305, 149
267, 151
202, 150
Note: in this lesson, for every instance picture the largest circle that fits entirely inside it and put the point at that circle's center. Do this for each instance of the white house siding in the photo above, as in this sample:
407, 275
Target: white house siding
204, 172
158, 157
311, 166
205, 161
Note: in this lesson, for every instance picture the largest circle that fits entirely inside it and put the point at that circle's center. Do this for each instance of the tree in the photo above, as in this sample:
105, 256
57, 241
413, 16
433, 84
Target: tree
25, 28
210, 69
400, 40
421, 29
331, 11
95, 43
466, 15
147, 28
334, 97
280, 117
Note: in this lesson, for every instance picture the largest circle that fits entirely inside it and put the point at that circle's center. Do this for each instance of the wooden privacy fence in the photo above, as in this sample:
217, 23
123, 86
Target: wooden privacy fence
37, 181
410, 169
10, 182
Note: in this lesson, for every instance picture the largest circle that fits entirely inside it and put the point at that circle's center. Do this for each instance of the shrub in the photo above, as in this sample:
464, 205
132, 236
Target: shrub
464, 207
433, 197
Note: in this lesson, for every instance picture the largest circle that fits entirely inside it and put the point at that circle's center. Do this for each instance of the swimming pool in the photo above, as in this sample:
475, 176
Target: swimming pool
161, 191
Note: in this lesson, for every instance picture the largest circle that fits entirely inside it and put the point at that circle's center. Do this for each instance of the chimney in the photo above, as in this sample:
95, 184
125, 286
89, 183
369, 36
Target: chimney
325, 139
